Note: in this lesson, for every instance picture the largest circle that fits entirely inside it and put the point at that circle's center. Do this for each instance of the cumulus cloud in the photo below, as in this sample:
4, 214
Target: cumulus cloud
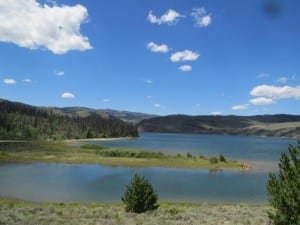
27, 81
282, 80
276, 92
68, 95
186, 55
157, 105
185, 68
201, 17
29, 24
240, 107
171, 17
216, 113
157, 48
9, 81
60, 73
262, 101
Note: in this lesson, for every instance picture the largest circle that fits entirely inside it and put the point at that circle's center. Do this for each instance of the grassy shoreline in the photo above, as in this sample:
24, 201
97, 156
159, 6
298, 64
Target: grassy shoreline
61, 152
22, 212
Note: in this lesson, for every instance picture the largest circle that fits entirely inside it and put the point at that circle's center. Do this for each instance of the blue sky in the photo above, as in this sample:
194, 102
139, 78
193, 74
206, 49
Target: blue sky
163, 57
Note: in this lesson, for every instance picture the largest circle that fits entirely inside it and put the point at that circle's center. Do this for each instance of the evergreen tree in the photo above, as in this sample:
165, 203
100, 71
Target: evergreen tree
140, 196
284, 189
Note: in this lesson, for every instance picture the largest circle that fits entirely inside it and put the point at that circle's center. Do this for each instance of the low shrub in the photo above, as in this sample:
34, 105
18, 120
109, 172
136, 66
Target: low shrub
213, 160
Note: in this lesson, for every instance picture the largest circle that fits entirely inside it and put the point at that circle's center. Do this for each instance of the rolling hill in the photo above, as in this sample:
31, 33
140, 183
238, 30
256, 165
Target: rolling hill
263, 125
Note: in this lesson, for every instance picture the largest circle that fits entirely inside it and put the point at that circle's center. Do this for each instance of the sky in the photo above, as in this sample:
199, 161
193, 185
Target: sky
196, 57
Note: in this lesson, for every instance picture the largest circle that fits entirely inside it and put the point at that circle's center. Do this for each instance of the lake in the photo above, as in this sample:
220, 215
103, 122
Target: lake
65, 183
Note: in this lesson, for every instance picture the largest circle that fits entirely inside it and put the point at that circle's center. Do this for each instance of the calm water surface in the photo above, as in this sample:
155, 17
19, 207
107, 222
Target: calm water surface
64, 183
235, 147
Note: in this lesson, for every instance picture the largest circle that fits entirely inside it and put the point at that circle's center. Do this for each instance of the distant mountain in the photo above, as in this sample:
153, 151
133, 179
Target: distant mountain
21, 121
132, 117
126, 116
264, 125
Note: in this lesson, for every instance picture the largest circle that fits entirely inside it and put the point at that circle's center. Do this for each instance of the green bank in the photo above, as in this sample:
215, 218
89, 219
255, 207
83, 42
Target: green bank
61, 152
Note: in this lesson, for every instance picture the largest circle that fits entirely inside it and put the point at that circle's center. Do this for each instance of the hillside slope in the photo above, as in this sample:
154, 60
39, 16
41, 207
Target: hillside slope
264, 125
21, 121
126, 116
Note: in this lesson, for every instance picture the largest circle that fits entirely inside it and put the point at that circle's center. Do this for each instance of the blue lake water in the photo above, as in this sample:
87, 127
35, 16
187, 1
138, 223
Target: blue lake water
65, 183
235, 147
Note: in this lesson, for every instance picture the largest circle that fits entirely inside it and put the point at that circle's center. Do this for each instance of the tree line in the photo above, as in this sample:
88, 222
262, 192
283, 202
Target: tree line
21, 121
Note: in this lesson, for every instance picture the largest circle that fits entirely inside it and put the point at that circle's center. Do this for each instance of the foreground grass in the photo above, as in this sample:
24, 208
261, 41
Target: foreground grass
59, 152
14, 212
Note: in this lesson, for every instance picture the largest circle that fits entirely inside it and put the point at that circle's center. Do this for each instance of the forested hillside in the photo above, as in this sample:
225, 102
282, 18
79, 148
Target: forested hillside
21, 121
262, 125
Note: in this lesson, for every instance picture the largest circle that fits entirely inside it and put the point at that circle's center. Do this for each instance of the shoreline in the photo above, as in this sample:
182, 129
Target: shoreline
97, 139
63, 152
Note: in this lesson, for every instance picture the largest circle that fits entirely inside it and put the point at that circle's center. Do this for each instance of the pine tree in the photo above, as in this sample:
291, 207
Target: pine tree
140, 196
284, 189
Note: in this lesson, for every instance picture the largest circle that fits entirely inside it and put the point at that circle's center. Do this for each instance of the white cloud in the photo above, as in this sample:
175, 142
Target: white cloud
262, 101
185, 68
149, 81
106, 100
270, 91
60, 73
263, 75
216, 113
68, 95
27, 81
197, 105
240, 107
9, 81
29, 24
186, 55
157, 48
201, 17
282, 80
171, 17
149, 96
157, 105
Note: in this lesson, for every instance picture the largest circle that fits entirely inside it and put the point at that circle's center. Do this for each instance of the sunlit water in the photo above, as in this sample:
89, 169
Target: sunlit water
94, 183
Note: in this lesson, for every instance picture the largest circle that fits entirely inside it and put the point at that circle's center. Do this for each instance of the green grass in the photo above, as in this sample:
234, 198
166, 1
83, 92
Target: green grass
60, 152
14, 212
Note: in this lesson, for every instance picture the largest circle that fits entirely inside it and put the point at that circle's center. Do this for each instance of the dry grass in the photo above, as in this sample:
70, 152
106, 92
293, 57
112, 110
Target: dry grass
20, 213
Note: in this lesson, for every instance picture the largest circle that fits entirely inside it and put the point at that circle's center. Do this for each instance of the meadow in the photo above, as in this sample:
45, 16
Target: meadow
16, 212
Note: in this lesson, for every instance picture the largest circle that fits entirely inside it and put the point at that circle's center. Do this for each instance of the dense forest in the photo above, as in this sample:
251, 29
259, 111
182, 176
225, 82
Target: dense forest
280, 125
21, 121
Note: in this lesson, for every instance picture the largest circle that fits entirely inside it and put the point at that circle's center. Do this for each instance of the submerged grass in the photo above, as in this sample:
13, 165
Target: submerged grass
60, 152
14, 212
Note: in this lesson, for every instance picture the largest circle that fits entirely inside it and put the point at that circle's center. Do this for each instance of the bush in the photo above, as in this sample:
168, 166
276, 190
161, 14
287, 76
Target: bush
213, 160
284, 189
189, 155
222, 158
140, 196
